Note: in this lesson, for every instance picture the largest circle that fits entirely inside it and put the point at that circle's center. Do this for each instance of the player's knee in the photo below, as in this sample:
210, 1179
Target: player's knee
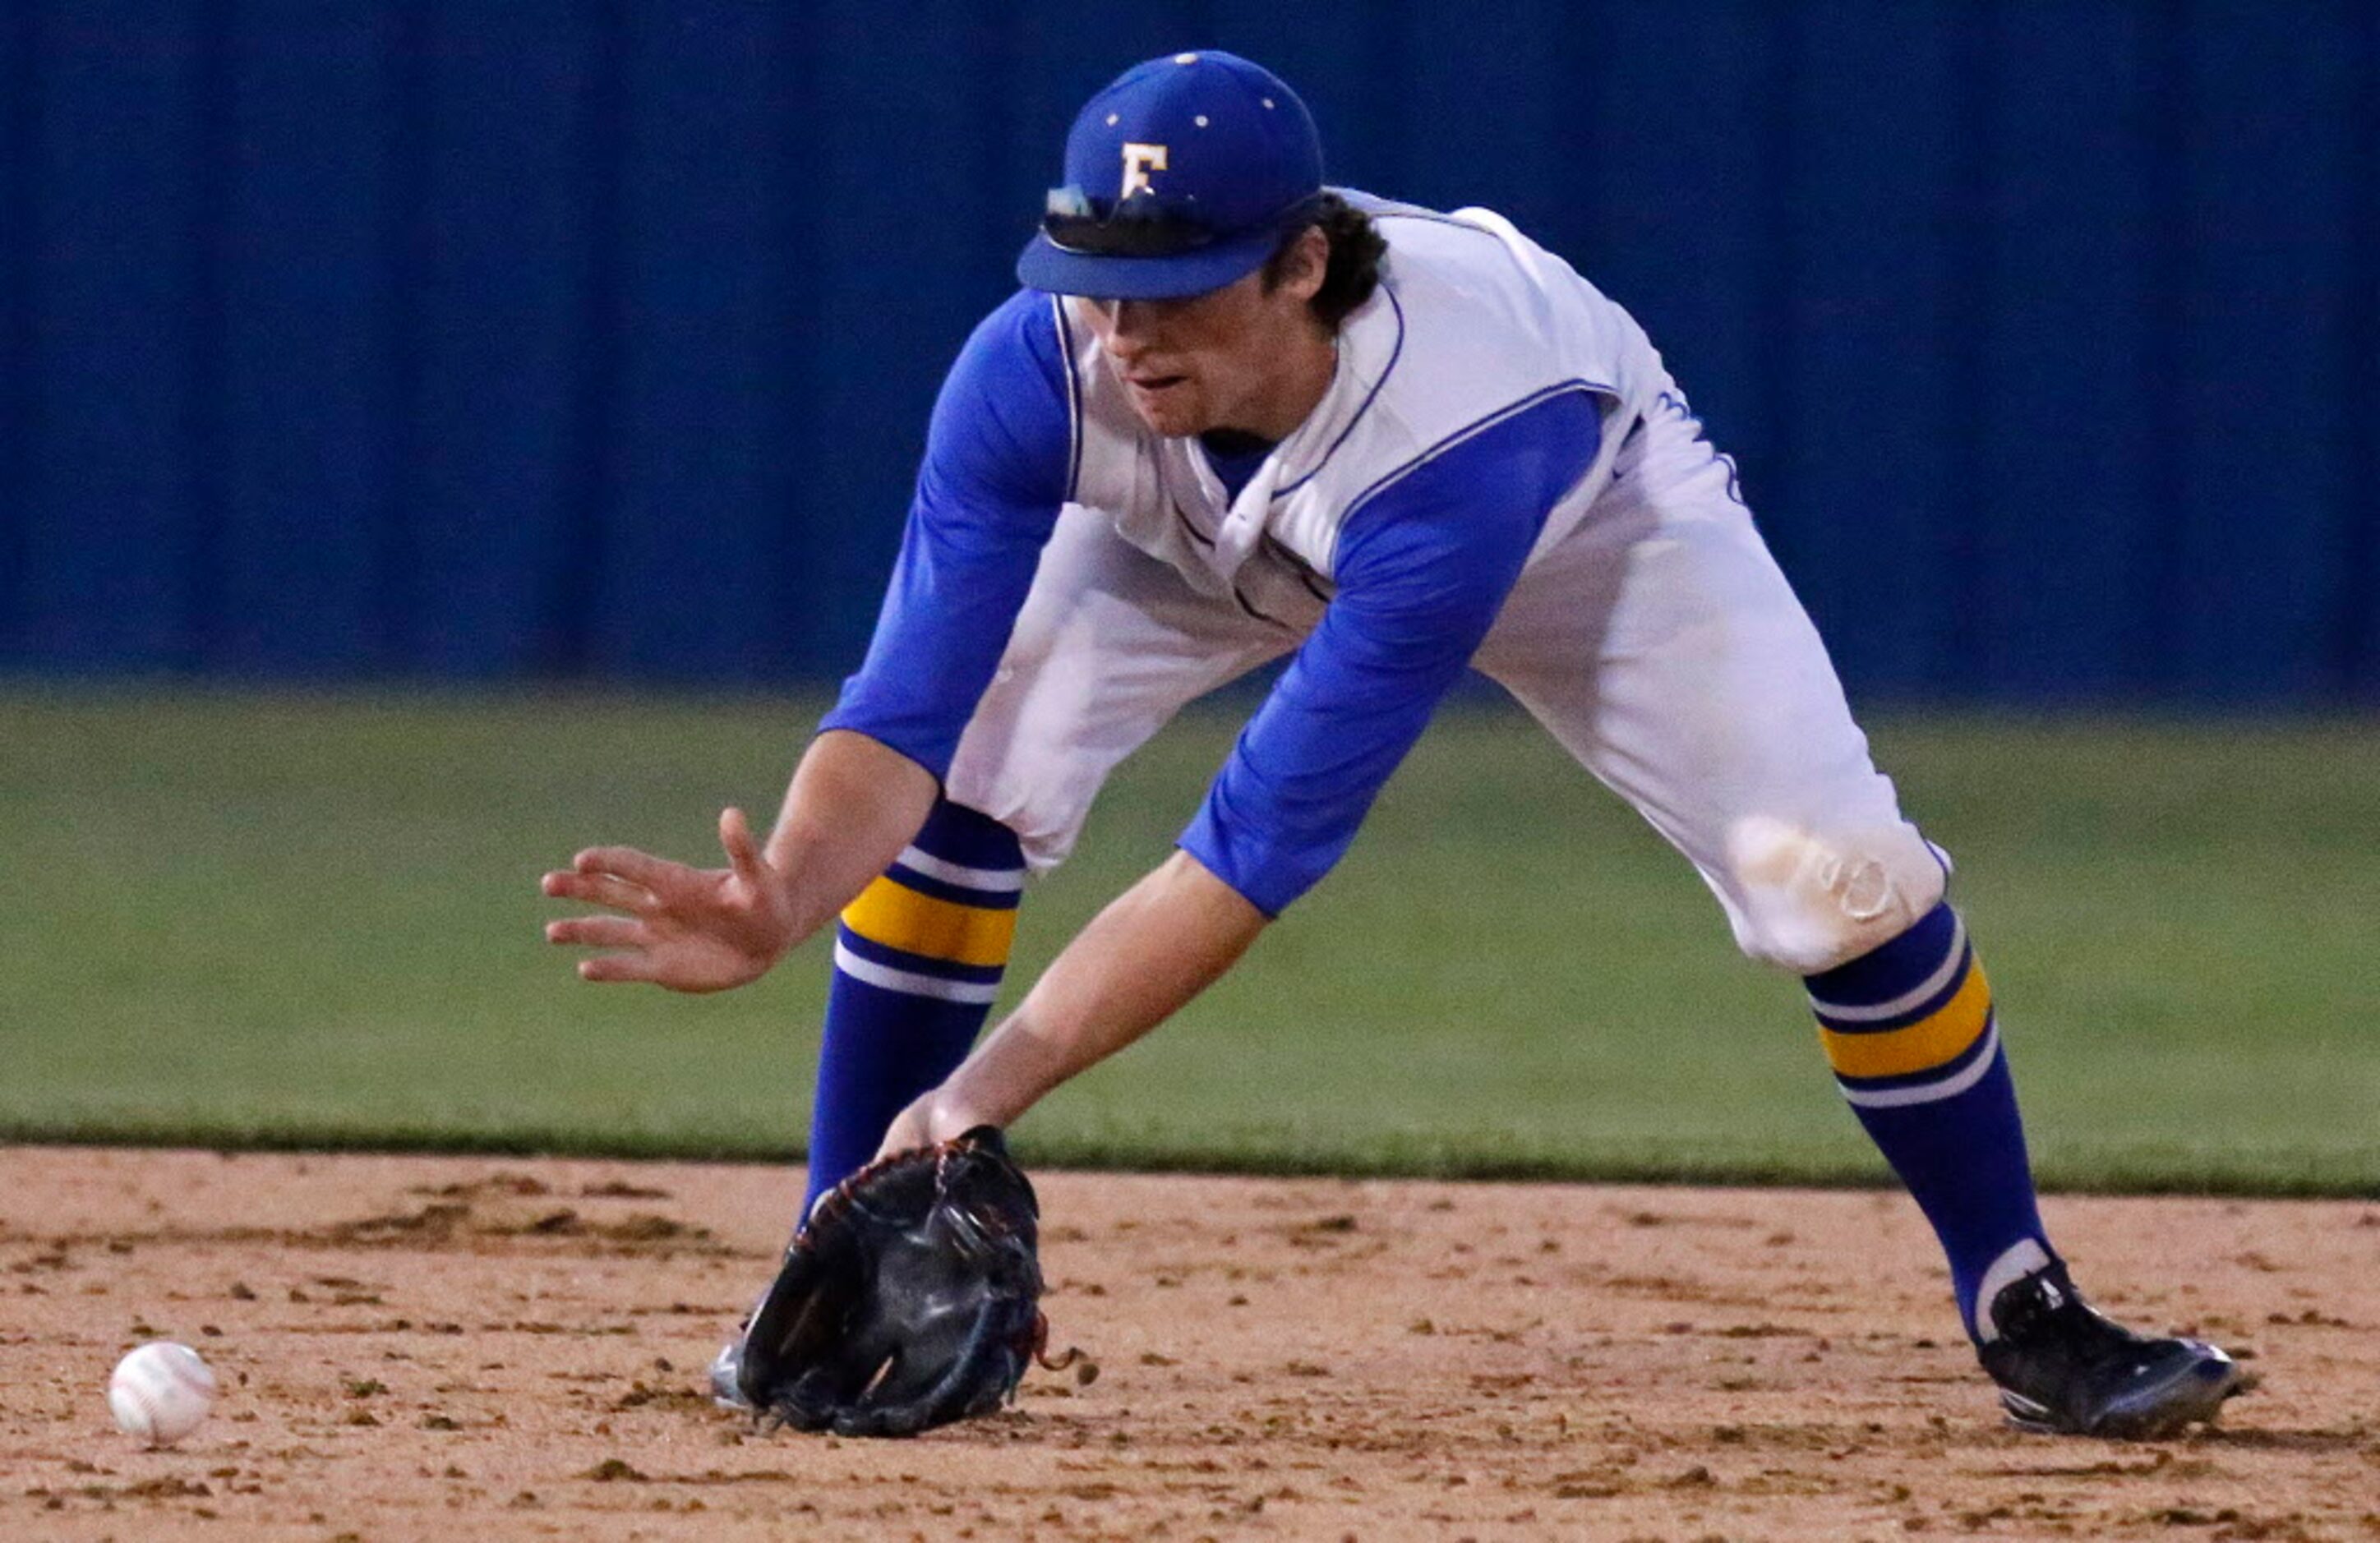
1045, 849
1807, 901
1045, 833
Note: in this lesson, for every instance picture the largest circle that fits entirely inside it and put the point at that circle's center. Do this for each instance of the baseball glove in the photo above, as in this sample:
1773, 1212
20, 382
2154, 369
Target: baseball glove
908, 1300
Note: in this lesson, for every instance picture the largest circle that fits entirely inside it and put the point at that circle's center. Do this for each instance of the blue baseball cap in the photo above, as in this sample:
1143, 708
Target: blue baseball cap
1182, 177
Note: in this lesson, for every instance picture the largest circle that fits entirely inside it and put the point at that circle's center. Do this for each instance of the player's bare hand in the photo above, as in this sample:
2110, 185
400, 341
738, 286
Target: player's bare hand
938, 1114
914, 1127
688, 928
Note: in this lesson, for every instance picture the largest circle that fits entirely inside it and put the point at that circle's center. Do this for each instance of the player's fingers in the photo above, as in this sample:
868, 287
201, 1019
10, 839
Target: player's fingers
598, 932
598, 889
743, 851
616, 966
626, 862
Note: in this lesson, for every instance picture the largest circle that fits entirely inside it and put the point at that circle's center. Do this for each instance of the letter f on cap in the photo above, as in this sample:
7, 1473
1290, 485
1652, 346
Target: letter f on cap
1140, 160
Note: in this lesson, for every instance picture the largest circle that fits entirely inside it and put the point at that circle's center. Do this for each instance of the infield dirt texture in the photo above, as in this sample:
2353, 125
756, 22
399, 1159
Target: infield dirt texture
439, 1347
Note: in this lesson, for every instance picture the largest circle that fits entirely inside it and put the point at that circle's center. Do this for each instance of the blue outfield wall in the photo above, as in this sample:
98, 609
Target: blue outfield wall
594, 339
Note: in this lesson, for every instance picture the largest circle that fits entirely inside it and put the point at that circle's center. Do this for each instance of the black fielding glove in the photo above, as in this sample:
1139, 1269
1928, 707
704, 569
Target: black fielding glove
910, 1299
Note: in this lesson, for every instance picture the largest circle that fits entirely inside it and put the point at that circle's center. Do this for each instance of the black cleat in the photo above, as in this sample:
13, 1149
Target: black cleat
2064, 1367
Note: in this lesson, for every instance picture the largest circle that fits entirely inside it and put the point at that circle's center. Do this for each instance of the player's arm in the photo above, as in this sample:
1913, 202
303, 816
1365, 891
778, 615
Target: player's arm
997, 457
1422, 573
1153, 949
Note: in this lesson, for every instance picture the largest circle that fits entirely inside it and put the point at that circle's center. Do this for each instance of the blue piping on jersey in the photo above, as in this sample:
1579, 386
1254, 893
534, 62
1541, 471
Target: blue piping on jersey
1191, 526
1676, 404
1249, 606
1074, 398
1306, 574
1469, 431
1394, 353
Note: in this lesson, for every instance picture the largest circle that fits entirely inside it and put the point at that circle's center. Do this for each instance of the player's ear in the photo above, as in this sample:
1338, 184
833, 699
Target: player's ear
1308, 264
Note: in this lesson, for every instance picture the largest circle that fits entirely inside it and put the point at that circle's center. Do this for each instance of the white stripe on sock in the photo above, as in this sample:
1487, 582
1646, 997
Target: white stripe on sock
1908, 999
999, 880
910, 981
1928, 1092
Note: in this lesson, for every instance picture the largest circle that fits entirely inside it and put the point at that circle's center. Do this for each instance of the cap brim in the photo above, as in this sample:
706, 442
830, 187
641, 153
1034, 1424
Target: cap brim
1046, 266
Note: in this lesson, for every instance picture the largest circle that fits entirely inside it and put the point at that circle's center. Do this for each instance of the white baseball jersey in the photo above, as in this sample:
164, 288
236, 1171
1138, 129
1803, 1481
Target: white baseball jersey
1476, 325
1501, 474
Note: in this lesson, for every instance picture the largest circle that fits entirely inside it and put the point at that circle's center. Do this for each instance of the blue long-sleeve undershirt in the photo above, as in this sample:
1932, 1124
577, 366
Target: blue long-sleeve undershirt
1422, 568
999, 458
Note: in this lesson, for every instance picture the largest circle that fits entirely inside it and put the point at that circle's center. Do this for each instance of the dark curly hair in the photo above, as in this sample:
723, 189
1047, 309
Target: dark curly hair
1355, 268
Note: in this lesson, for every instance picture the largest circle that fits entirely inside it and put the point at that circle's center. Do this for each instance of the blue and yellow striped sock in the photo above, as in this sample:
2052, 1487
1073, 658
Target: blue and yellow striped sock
917, 962
1910, 1030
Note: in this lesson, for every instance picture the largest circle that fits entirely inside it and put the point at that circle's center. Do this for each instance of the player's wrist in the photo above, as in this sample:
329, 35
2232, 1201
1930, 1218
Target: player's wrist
985, 1090
784, 912
950, 1114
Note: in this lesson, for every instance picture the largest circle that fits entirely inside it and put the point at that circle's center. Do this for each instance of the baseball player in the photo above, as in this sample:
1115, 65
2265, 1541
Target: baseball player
1234, 414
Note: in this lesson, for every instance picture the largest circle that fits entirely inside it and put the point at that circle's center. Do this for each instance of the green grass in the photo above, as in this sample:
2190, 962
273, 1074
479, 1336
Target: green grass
286, 919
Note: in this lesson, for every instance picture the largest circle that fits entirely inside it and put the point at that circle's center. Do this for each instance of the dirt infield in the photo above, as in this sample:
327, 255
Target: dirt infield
418, 1348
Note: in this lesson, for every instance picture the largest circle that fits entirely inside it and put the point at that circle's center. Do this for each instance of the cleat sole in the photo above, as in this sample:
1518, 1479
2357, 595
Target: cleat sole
2194, 1394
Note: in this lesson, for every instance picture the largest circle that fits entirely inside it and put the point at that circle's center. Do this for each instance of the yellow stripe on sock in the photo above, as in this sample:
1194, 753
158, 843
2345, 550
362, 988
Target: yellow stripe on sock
890, 913
1932, 1041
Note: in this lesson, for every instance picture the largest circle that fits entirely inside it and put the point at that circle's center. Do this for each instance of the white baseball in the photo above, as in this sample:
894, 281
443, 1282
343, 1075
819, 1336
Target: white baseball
161, 1391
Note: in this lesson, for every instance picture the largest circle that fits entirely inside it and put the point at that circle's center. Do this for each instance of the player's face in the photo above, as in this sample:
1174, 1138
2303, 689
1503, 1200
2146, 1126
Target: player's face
1242, 356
